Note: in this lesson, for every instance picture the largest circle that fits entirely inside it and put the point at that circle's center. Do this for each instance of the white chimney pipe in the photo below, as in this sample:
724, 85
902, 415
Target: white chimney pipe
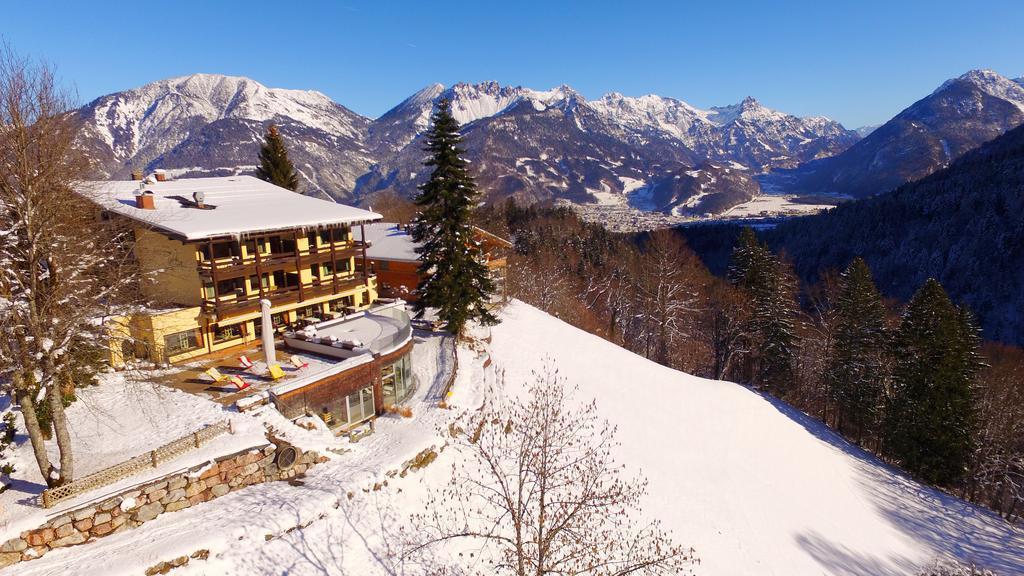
268, 334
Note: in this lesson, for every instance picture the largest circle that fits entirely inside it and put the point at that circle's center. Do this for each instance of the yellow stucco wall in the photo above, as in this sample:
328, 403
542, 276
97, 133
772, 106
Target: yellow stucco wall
174, 276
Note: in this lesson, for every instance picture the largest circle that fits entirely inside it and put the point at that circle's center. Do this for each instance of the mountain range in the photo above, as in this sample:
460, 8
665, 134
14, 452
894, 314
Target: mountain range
661, 153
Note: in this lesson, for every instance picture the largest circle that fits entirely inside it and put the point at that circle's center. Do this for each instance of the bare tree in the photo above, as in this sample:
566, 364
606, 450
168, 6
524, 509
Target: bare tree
60, 265
725, 328
667, 295
537, 488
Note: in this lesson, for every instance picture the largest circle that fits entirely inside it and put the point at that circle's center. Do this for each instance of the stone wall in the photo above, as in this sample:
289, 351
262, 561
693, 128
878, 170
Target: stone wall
135, 507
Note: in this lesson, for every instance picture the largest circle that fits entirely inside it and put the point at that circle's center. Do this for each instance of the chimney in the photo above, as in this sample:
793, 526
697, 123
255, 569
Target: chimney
136, 175
161, 175
144, 200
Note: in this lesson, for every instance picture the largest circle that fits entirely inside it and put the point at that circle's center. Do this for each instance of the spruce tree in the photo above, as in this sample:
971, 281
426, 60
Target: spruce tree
771, 287
454, 279
930, 419
856, 374
275, 167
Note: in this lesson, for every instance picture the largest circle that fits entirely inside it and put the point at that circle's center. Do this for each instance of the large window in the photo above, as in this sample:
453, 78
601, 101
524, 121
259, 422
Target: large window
181, 342
225, 333
396, 380
350, 409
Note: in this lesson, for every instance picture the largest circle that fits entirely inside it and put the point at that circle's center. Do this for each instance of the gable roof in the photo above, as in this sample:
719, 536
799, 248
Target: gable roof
240, 205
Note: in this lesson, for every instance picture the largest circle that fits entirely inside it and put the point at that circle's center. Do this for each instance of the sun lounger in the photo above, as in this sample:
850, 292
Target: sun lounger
245, 363
299, 363
239, 383
215, 374
275, 372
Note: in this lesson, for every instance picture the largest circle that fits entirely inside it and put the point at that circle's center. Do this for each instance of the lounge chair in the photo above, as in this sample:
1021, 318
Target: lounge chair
245, 363
299, 362
238, 382
275, 372
216, 375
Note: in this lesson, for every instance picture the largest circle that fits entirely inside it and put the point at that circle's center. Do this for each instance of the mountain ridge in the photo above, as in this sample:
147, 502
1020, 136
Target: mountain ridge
531, 145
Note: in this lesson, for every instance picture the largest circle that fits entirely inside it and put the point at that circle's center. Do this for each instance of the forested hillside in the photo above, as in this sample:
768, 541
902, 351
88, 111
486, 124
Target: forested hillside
962, 225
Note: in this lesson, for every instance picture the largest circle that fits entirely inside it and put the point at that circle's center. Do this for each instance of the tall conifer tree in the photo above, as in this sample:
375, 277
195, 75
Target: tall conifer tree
454, 279
772, 289
856, 373
275, 167
931, 415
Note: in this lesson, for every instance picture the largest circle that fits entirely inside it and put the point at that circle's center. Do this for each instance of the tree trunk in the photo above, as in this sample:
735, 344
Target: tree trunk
60, 426
35, 431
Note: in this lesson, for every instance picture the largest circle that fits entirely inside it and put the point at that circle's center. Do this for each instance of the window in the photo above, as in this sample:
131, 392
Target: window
181, 342
396, 380
231, 286
225, 333
224, 250
359, 405
208, 292
342, 303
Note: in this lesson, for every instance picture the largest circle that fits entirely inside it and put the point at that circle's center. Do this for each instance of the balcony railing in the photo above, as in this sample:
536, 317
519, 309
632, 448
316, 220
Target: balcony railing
239, 303
236, 265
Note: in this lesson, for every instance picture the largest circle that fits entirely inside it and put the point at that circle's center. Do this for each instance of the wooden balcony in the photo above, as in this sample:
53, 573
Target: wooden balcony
235, 266
240, 304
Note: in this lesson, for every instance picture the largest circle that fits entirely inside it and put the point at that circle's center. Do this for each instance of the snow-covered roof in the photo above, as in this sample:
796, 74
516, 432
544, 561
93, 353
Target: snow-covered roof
388, 241
239, 205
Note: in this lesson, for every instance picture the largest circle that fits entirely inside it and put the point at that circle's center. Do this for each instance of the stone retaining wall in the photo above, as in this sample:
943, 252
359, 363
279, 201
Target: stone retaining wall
135, 507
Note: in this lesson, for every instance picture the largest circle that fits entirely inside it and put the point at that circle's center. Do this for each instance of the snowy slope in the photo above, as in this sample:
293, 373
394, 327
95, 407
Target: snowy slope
753, 486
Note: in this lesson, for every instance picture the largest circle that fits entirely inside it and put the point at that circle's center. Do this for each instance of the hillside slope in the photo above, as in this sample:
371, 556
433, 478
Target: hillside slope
755, 486
962, 225
958, 116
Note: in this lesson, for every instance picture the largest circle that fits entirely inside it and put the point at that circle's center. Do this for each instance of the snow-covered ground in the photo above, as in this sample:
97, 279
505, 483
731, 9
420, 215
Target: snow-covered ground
772, 205
754, 486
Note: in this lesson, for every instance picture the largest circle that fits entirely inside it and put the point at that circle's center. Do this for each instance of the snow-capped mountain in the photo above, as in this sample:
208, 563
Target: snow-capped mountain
207, 123
748, 132
958, 116
543, 145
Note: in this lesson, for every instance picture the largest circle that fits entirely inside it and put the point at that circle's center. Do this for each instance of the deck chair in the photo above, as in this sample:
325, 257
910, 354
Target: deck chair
275, 372
238, 382
299, 362
245, 363
212, 372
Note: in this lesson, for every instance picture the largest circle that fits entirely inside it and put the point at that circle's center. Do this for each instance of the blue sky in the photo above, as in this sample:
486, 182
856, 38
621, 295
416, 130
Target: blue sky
859, 62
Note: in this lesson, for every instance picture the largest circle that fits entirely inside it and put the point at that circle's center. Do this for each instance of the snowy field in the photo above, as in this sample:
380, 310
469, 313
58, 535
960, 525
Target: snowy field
772, 205
754, 486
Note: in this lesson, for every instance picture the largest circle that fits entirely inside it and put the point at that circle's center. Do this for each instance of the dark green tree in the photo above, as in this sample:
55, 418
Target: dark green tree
771, 287
454, 279
857, 371
275, 167
930, 420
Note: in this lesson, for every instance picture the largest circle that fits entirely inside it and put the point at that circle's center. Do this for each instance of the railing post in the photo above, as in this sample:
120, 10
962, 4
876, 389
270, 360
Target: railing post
152, 457
195, 438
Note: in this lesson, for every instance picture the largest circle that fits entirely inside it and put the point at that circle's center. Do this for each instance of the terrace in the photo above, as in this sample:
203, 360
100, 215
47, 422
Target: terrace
380, 330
